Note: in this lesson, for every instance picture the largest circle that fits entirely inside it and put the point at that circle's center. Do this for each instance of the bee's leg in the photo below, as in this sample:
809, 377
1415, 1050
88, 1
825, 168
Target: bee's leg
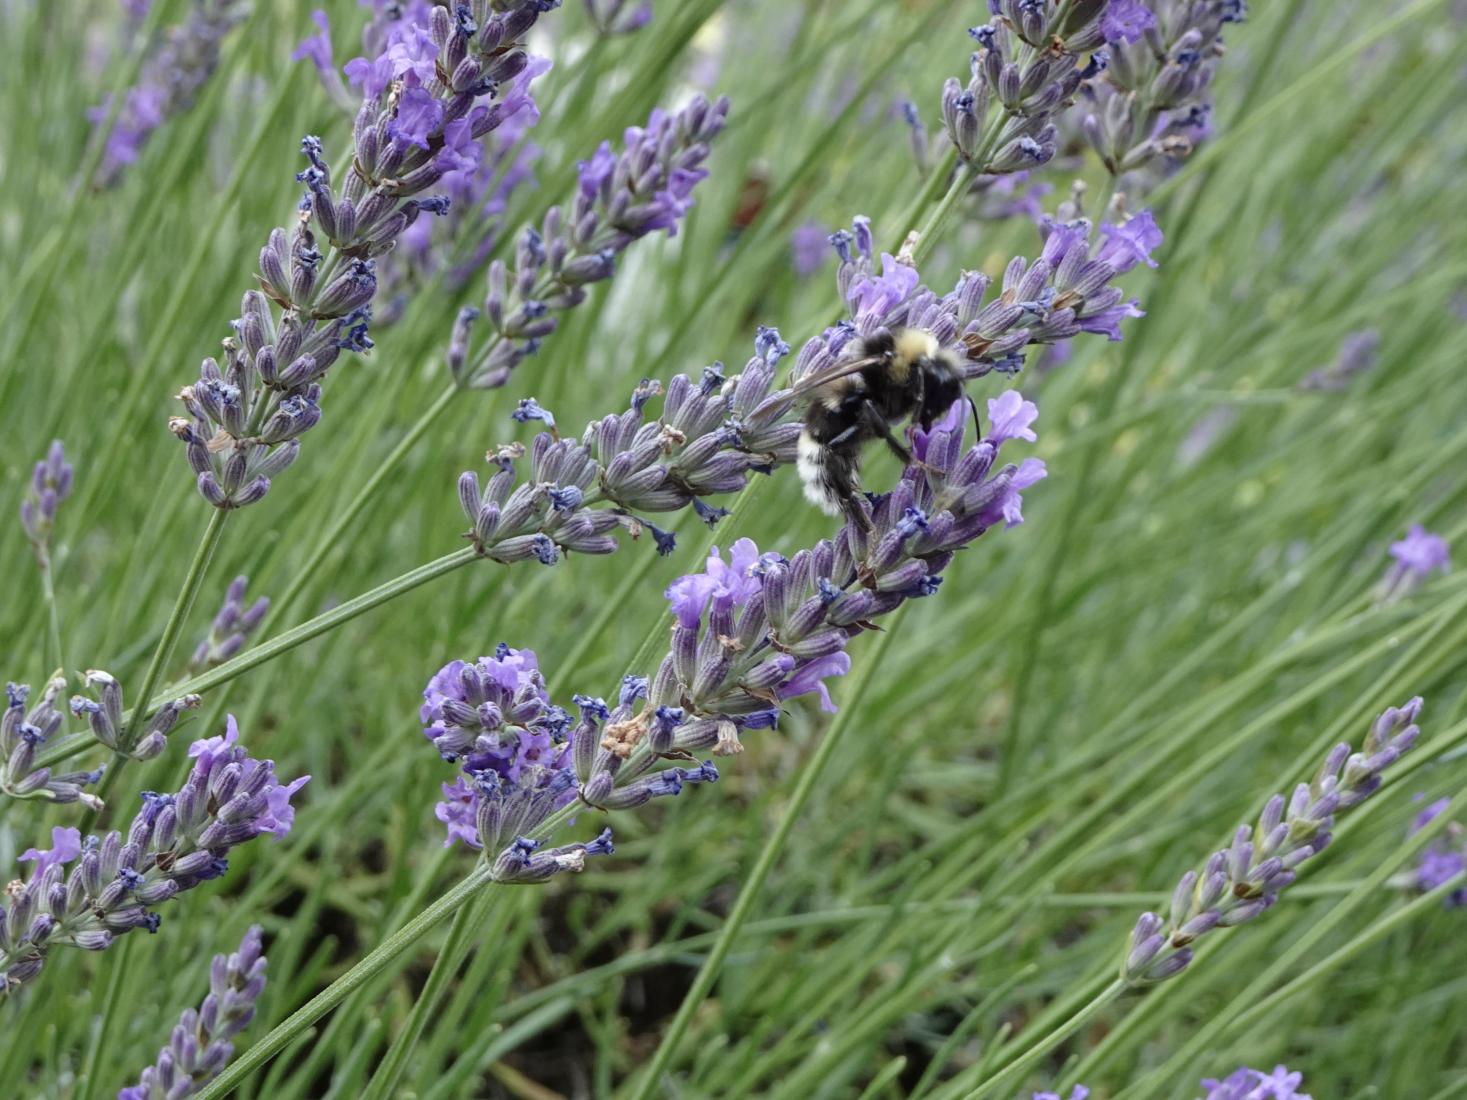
882, 427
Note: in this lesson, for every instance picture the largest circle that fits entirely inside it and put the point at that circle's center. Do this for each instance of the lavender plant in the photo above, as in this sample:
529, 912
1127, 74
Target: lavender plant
1415, 558
175, 843
23, 733
428, 99
169, 83
50, 485
1241, 882
200, 1044
231, 628
1151, 100
109, 726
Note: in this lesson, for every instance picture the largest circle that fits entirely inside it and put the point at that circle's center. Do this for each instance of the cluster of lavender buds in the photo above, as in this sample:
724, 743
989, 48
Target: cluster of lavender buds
757, 629
174, 843
22, 733
713, 433
456, 245
1150, 101
50, 485
169, 81
621, 198
104, 715
231, 627
1026, 71
1065, 291
1445, 859
1417, 556
1242, 881
434, 92
1359, 352
200, 1046
1079, 1092
709, 437
617, 17
1253, 1084
493, 717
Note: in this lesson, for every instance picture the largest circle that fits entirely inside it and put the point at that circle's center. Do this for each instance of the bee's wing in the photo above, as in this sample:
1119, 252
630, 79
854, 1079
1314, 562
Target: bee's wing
838, 370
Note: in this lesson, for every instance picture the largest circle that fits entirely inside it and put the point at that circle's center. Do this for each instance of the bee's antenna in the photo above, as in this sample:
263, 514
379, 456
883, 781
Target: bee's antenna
977, 424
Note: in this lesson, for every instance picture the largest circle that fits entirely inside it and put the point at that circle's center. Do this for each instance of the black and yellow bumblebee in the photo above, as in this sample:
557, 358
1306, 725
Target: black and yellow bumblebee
881, 380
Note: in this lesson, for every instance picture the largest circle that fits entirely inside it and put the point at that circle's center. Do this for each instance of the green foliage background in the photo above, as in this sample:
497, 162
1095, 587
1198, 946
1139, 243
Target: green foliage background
1089, 706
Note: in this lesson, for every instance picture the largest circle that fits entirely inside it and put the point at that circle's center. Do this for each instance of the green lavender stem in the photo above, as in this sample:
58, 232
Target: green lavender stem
754, 884
331, 539
296, 636
384, 1082
111, 1011
1021, 1065
48, 591
182, 605
355, 978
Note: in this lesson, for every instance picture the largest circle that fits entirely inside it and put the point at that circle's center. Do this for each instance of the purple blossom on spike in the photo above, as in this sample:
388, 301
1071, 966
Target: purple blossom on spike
1253, 1084
50, 484
1241, 882
1079, 1092
174, 843
23, 731
184, 58
231, 627
1126, 21
200, 1046
620, 198
1416, 557
1445, 858
434, 85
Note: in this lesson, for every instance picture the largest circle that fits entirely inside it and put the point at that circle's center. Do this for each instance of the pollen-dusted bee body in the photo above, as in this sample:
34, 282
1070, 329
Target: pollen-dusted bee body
906, 374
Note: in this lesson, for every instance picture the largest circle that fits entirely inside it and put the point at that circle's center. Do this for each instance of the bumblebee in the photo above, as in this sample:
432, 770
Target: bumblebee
884, 379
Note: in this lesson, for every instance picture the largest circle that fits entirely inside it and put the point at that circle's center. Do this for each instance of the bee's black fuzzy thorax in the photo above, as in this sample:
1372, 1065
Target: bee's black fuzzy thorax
913, 377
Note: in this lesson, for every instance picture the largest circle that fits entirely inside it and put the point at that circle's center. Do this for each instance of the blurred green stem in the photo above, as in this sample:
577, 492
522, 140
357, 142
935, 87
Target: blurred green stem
332, 538
111, 1010
1026, 1061
384, 1082
182, 605
48, 591
359, 975
809, 776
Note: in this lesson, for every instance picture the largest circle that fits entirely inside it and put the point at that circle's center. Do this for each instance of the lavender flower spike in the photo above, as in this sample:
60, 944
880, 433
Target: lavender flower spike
1254, 1084
231, 627
1445, 859
22, 733
622, 197
1149, 100
174, 843
617, 17
493, 717
169, 82
429, 97
104, 715
753, 630
1417, 556
1245, 879
200, 1046
1079, 1092
50, 485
